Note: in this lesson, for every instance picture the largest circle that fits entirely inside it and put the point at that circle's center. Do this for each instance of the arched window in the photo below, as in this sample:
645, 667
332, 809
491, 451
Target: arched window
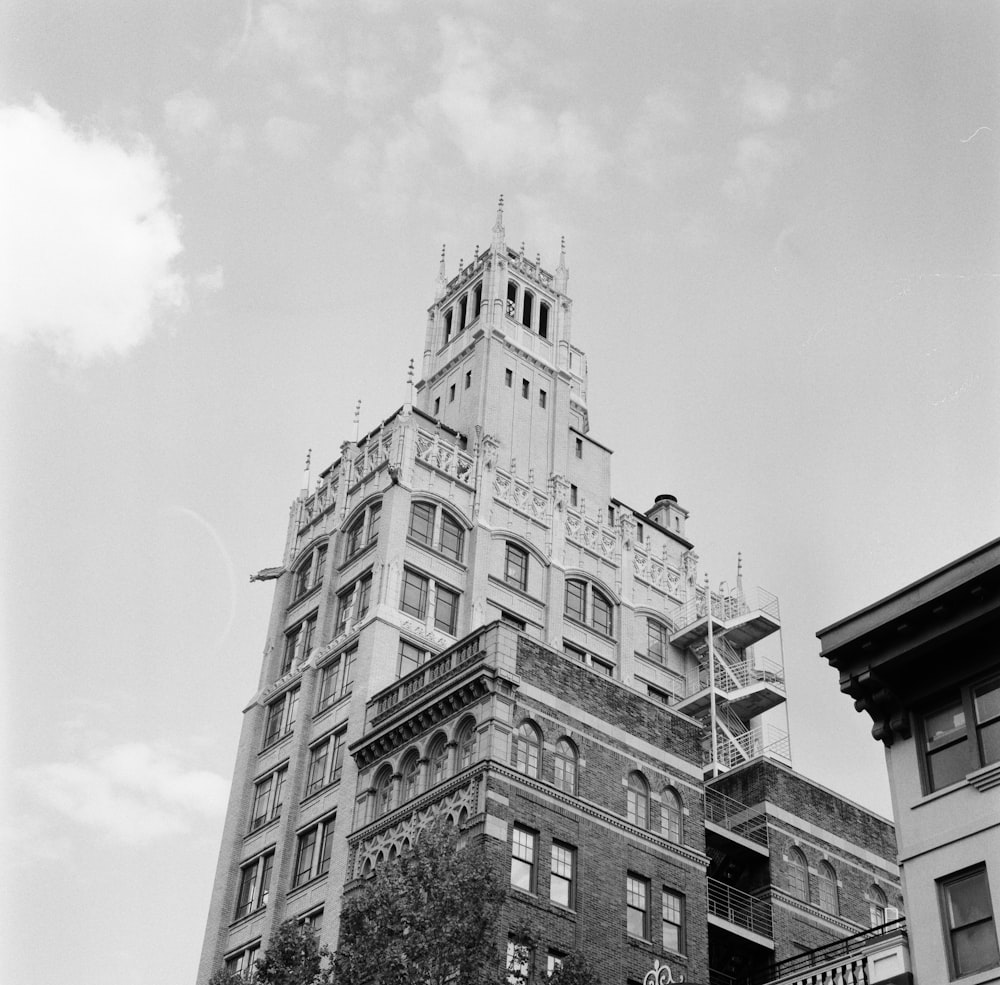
589, 605
526, 308
564, 759
466, 743
527, 749
826, 885
673, 816
437, 758
437, 529
877, 903
362, 531
637, 800
383, 791
410, 781
798, 875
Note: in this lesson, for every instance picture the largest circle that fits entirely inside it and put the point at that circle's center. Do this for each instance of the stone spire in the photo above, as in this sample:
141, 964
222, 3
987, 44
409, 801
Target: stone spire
498, 230
442, 276
562, 273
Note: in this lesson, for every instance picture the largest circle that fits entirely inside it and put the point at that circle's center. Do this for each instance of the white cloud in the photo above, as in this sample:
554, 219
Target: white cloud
91, 240
132, 792
289, 138
189, 115
765, 101
759, 159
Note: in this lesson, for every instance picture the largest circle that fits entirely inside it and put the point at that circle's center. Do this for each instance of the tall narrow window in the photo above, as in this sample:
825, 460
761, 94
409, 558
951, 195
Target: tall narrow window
673, 815
447, 326
798, 875
673, 921
466, 744
446, 610
601, 609
437, 758
573, 495
564, 762
637, 906
508, 377
576, 600
826, 888
542, 399
515, 567
267, 798
468, 379
463, 312
527, 307
452, 538
312, 856
477, 299
561, 877
543, 320
511, 299
525, 389
383, 792
579, 447
409, 777
657, 638
255, 885
414, 597
410, 657
876, 906
363, 531
968, 912
336, 678
522, 859
280, 718
422, 523
637, 800
527, 749
451, 394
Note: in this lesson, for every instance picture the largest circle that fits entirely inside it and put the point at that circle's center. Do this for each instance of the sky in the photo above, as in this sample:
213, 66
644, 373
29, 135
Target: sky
222, 228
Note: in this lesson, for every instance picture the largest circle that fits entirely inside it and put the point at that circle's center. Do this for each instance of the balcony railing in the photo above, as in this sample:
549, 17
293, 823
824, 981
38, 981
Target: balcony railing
726, 607
764, 741
843, 962
739, 908
735, 816
466, 652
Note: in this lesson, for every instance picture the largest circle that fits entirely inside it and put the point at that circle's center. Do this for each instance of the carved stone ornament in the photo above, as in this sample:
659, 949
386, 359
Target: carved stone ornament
660, 975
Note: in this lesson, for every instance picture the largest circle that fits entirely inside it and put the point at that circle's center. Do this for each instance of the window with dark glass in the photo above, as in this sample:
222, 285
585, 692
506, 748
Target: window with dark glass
579, 447
422, 523
508, 377
312, 856
452, 537
268, 795
451, 394
383, 792
970, 922
410, 657
326, 763
576, 600
657, 641
826, 887
527, 308
515, 567
280, 717
527, 749
673, 921
437, 760
255, 885
414, 598
477, 299
564, 763
409, 777
244, 962
298, 643
525, 389
463, 312
561, 876
336, 679
363, 531
542, 398
436, 528
962, 735
637, 800
543, 320
601, 610
672, 815
446, 610
589, 605
522, 859
466, 744
637, 906
448, 317
309, 573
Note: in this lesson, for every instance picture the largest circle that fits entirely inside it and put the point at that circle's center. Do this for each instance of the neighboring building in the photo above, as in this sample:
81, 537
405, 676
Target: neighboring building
924, 664
467, 622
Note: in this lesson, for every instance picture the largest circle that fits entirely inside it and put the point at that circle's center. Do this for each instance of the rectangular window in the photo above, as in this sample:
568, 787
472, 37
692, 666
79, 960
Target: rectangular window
554, 959
326, 762
410, 657
255, 885
573, 495
446, 610
362, 531
336, 679
437, 406
451, 394
656, 641
576, 600
422, 523
601, 612
518, 962
579, 447
414, 598
637, 906
468, 379
608, 670
525, 389
968, 913
452, 537
561, 879
522, 859
244, 962
298, 643
353, 603
280, 720
312, 856
515, 567
575, 652
542, 398
508, 377
639, 532
673, 921
963, 735
268, 794
511, 620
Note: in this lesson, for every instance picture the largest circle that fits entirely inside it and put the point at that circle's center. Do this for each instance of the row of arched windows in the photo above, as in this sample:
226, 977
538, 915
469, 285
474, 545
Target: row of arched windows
526, 758
826, 881
418, 773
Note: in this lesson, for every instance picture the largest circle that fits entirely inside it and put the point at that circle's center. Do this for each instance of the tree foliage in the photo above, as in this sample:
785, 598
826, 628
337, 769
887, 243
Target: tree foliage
429, 916
575, 970
293, 957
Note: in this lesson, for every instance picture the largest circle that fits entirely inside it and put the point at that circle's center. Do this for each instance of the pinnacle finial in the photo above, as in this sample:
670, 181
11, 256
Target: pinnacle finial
538, 259
477, 251
357, 419
309, 455
442, 259
500, 206
562, 274
498, 231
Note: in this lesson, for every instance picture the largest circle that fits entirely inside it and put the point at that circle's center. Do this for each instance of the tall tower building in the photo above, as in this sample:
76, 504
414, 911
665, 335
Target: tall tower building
467, 623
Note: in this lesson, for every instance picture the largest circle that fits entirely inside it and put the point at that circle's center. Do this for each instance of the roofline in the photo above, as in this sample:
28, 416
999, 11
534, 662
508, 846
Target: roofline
992, 546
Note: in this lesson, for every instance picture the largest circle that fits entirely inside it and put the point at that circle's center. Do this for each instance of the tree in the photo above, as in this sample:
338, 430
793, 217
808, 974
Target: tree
574, 970
431, 915
293, 957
